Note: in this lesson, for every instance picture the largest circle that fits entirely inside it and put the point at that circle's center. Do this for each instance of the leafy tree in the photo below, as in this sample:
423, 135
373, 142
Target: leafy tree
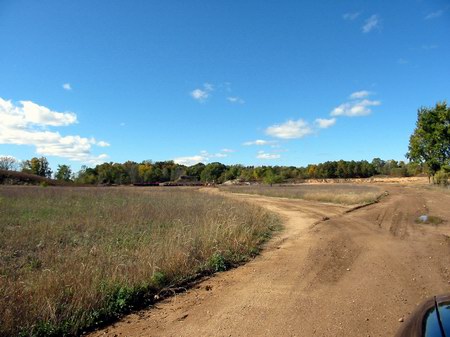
132, 171
63, 173
38, 166
378, 165
212, 172
271, 178
86, 175
195, 170
232, 172
430, 142
8, 163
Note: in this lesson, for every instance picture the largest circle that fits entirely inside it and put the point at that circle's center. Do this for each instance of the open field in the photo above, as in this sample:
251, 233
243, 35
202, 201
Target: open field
72, 257
347, 194
358, 273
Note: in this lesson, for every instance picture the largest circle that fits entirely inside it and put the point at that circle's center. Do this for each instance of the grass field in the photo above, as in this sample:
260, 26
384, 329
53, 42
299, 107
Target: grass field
74, 257
347, 194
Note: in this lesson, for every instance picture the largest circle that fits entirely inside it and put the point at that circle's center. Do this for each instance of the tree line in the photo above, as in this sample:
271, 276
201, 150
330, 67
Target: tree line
428, 152
147, 171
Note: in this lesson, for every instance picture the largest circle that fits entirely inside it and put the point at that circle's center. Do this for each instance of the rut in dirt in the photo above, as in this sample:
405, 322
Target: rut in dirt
355, 274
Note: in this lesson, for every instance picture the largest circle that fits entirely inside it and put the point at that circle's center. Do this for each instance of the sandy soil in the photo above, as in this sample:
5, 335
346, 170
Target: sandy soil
355, 274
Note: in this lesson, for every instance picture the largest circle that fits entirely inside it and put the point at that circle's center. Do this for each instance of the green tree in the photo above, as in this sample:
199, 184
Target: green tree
212, 172
38, 166
430, 142
86, 175
378, 165
195, 170
271, 178
63, 173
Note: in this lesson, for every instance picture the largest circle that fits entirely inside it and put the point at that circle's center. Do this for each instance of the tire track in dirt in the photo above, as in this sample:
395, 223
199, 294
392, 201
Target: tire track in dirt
355, 274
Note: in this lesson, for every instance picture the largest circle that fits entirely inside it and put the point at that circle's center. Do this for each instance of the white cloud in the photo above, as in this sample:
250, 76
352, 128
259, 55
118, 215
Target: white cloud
199, 95
265, 155
202, 95
26, 124
355, 108
67, 86
260, 142
360, 94
371, 23
203, 157
434, 15
402, 61
220, 155
189, 161
122, 124
103, 143
351, 16
235, 99
325, 123
30, 113
289, 130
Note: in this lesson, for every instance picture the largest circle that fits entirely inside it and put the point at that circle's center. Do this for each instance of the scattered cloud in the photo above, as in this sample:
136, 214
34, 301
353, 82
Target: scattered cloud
203, 157
402, 61
260, 142
30, 113
265, 155
122, 124
360, 94
324, 123
199, 95
235, 99
202, 94
434, 15
189, 161
371, 23
351, 16
290, 130
67, 86
103, 144
27, 124
357, 107
220, 155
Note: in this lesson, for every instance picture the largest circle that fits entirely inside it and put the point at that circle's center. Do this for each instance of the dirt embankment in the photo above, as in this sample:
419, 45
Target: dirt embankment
355, 274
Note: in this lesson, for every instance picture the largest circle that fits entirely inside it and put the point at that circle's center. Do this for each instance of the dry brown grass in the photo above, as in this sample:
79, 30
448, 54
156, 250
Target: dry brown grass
73, 257
347, 194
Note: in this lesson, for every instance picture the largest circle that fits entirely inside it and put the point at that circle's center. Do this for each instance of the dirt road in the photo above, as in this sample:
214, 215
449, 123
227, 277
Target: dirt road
355, 274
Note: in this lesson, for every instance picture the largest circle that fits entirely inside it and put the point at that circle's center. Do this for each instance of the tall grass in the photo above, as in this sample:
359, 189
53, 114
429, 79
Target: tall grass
71, 258
347, 194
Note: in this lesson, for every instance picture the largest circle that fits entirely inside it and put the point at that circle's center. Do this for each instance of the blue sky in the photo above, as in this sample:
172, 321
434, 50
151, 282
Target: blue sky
250, 82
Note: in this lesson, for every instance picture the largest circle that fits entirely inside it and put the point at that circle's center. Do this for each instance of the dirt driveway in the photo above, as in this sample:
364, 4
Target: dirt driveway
355, 274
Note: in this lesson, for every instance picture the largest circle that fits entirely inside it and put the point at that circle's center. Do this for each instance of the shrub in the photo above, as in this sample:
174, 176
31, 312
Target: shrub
441, 178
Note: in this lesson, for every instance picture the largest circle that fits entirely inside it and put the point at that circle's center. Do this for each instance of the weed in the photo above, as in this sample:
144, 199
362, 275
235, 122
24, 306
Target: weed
72, 258
217, 262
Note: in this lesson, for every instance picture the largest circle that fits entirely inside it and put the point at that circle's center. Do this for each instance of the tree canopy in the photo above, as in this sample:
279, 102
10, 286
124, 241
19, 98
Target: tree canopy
147, 171
430, 142
38, 166
63, 173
